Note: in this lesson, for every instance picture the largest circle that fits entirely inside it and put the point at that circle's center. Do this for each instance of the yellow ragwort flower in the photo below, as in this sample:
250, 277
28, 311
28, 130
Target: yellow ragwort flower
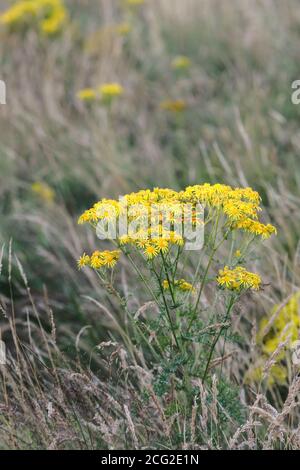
277, 374
108, 91
134, 3
104, 259
280, 325
170, 210
84, 260
110, 258
49, 15
54, 22
87, 94
174, 106
43, 191
19, 12
88, 216
180, 284
161, 244
123, 29
238, 279
181, 62
286, 325
150, 251
255, 227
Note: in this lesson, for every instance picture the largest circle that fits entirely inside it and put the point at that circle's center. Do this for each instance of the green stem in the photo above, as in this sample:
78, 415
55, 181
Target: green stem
217, 337
176, 263
109, 287
168, 278
138, 271
167, 309
214, 250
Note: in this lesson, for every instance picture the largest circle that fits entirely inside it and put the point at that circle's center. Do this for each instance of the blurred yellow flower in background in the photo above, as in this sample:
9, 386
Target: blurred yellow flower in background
107, 92
44, 191
174, 106
21, 11
134, 2
53, 23
49, 15
272, 332
181, 284
110, 91
285, 325
87, 94
181, 62
276, 375
123, 29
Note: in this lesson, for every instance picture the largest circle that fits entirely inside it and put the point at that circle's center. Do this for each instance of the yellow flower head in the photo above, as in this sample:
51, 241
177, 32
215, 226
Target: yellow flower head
286, 325
180, 284
43, 191
84, 260
155, 219
54, 22
240, 205
96, 260
181, 62
151, 251
277, 374
104, 259
110, 258
238, 279
185, 286
134, 3
87, 94
162, 244
174, 106
109, 91
238, 210
280, 325
175, 239
255, 227
49, 15
123, 29
19, 12
88, 216
141, 243
125, 239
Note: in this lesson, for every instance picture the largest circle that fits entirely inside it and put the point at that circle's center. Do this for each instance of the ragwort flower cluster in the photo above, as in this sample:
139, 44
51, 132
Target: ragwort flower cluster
106, 92
239, 208
281, 325
49, 15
